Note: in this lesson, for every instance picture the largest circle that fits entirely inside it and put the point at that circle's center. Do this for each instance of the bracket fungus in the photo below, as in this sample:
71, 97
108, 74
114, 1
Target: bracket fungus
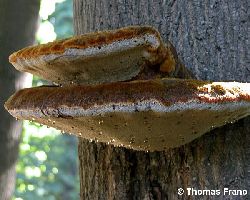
124, 95
100, 57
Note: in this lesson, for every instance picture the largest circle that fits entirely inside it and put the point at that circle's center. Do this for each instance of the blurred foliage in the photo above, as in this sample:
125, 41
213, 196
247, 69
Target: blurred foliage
62, 19
38, 82
56, 20
47, 167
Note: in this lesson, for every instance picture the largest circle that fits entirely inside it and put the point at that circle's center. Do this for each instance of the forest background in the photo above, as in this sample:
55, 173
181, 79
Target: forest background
47, 165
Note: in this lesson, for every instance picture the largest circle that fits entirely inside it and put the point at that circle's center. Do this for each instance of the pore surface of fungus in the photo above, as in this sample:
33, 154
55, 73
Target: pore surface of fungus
143, 115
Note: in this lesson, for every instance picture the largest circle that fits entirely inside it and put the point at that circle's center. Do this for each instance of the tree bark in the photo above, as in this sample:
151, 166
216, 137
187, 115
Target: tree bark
212, 40
18, 24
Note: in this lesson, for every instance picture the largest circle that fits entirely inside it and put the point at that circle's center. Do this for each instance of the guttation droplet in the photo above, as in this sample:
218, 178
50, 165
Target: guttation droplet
132, 140
145, 140
146, 147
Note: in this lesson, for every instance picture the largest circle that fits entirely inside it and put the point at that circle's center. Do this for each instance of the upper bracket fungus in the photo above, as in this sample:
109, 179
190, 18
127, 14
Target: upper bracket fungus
147, 111
100, 57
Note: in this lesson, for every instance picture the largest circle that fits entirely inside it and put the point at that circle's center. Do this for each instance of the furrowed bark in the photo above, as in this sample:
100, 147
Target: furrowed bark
212, 40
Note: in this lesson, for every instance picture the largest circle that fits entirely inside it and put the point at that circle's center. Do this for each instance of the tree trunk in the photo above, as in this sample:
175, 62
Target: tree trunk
212, 39
18, 24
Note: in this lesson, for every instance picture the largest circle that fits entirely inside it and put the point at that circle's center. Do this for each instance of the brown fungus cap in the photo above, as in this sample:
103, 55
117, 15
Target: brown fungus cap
100, 57
142, 115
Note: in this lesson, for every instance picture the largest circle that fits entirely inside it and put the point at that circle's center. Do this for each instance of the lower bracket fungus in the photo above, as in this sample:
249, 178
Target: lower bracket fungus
143, 115
147, 111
